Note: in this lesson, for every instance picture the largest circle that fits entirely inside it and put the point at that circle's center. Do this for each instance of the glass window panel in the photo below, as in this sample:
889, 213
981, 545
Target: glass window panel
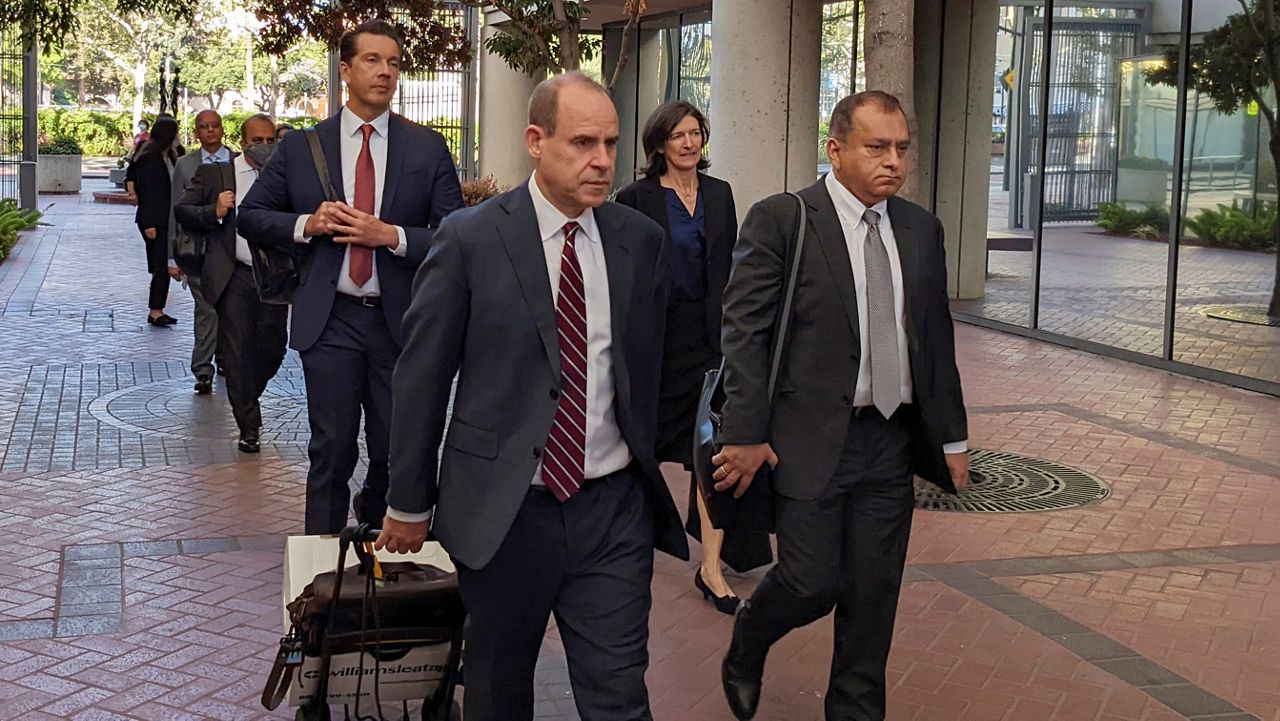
1006, 295
1104, 249
1226, 255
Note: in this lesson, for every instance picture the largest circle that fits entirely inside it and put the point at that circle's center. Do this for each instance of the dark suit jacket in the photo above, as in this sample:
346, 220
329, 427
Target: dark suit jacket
819, 372
196, 212
482, 308
152, 182
421, 187
721, 217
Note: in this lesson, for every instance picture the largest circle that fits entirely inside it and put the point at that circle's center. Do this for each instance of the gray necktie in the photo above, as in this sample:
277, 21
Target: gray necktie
882, 326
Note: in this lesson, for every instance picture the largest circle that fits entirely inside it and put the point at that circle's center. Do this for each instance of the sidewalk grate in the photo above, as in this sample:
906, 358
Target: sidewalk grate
1009, 483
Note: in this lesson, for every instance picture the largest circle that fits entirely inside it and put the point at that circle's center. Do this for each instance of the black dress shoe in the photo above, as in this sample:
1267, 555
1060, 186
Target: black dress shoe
249, 442
163, 320
221, 371
204, 386
741, 672
724, 604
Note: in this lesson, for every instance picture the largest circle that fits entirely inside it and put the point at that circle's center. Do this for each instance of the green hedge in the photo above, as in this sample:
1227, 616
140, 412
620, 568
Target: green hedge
99, 133
109, 133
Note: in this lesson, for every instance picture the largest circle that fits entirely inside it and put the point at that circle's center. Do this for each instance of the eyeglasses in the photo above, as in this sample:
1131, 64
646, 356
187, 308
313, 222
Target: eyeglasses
208, 126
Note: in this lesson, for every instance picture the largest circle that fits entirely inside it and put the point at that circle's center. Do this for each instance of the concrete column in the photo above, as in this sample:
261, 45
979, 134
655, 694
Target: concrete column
966, 58
764, 95
504, 112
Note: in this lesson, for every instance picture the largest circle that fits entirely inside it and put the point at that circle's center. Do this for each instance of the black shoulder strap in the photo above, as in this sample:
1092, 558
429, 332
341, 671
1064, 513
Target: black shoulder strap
322, 165
802, 222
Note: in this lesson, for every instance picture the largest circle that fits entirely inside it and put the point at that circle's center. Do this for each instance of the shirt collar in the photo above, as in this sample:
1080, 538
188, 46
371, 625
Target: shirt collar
551, 220
351, 123
848, 205
222, 156
241, 164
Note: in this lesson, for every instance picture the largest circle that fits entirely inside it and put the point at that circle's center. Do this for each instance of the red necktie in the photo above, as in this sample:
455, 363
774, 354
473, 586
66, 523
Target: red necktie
360, 267
564, 461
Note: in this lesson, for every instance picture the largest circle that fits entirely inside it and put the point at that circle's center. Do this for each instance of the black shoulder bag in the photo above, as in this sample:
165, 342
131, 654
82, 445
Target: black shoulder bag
754, 510
275, 271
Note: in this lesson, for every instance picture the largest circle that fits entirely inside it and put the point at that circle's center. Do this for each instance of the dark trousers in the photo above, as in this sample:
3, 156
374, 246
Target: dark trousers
157, 266
205, 327
251, 341
590, 562
845, 550
347, 369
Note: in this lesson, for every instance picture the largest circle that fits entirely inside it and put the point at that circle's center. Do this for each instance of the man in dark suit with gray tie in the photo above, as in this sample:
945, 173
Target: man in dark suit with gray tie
548, 304
356, 260
867, 395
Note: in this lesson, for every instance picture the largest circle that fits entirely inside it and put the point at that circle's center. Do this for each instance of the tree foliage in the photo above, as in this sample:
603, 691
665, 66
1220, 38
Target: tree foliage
434, 39
51, 22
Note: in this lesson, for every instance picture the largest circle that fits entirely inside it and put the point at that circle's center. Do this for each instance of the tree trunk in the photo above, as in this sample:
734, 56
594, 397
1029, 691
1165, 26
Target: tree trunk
80, 72
275, 86
890, 62
139, 90
1273, 309
250, 94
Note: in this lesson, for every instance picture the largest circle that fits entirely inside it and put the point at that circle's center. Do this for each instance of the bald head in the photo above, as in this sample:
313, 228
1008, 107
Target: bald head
209, 130
544, 104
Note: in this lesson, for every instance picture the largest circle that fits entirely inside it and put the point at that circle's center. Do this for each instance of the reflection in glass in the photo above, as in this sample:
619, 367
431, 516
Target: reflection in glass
1007, 292
695, 65
1226, 255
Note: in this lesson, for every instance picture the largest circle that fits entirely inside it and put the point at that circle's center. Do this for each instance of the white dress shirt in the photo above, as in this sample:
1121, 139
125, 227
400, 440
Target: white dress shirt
606, 450
851, 210
245, 177
222, 156
352, 140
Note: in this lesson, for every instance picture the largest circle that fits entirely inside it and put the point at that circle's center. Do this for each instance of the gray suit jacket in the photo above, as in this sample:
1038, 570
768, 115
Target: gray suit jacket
807, 421
482, 309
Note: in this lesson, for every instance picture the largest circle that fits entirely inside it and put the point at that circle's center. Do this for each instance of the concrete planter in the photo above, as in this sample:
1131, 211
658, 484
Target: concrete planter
116, 176
1142, 186
58, 173
997, 148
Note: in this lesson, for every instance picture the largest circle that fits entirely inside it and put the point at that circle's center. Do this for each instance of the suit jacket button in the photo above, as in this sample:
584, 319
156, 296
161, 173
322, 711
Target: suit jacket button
555, 394
537, 452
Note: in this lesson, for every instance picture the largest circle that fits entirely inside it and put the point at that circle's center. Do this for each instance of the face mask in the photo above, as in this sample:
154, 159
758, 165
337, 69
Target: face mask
259, 154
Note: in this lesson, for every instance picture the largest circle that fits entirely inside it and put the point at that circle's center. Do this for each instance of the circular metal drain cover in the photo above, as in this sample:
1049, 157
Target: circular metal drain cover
1255, 314
1009, 483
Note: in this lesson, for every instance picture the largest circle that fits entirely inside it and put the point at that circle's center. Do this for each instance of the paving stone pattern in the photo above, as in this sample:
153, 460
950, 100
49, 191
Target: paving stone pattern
140, 575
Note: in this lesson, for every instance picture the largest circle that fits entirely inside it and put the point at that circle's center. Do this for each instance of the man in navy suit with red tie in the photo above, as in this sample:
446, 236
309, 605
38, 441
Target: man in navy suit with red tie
356, 259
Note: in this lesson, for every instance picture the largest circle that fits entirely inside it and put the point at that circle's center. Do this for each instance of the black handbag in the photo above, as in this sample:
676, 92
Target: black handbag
754, 510
275, 270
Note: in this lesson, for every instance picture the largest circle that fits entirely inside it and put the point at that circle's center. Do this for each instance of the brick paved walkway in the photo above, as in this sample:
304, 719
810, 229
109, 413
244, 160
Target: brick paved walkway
142, 576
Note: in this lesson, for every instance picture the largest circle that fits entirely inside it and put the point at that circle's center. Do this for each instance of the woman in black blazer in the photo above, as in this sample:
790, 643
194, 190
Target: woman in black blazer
150, 174
698, 213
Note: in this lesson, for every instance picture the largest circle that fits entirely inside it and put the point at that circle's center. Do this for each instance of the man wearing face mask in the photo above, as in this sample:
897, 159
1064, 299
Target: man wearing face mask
251, 334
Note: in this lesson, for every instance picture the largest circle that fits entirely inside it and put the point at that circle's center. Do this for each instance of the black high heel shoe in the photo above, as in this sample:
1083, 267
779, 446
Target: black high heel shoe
724, 604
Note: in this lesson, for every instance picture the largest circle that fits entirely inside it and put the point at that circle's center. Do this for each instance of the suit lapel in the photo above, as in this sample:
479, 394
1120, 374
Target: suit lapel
904, 236
655, 203
331, 141
619, 269
395, 164
830, 238
519, 233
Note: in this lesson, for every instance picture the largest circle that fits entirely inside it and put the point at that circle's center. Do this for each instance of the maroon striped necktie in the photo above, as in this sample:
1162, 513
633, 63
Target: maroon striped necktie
564, 461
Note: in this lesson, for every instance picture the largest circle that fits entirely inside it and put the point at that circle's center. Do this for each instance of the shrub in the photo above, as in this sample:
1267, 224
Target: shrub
60, 146
1134, 162
1232, 227
100, 133
1120, 220
12, 220
475, 192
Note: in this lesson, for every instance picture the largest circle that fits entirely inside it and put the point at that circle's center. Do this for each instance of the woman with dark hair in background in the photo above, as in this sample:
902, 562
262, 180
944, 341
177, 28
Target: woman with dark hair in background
149, 179
698, 213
